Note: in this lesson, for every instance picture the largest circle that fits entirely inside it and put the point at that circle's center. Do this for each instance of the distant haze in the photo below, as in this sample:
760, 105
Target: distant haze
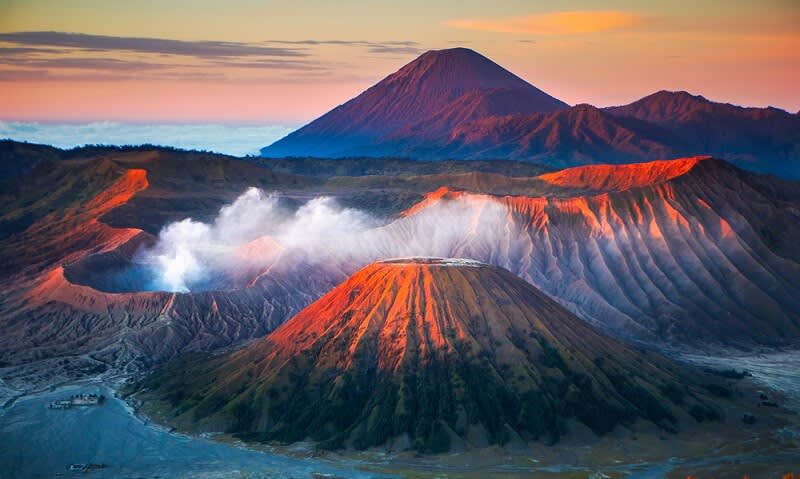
237, 140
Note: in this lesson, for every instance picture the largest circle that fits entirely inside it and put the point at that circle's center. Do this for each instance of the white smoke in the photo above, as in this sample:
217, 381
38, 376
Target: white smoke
190, 253
322, 224
177, 254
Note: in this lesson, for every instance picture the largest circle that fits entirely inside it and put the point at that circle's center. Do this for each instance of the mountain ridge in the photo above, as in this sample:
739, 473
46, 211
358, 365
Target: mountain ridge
408, 114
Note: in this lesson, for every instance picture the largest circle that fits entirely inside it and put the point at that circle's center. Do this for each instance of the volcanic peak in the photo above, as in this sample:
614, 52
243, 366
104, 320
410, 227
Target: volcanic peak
419, 354
430, 95
458, 69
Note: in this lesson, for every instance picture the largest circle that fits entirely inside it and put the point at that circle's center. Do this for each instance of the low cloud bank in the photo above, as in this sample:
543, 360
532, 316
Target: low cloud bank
237, 140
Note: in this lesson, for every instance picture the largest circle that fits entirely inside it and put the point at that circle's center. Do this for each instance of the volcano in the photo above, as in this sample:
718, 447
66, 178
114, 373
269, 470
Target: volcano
428, 97
430, 354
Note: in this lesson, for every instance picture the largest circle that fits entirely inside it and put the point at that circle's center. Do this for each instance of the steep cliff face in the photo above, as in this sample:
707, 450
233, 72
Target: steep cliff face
426, 353
684, 251
50, 222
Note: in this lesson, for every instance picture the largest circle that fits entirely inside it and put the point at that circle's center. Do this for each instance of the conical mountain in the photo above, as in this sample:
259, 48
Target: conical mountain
429, 354
432, 94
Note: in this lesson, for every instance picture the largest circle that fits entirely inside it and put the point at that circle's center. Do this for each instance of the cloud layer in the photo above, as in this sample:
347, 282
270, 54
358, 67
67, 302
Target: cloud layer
555, 23
107, 43
54, 55
237, 140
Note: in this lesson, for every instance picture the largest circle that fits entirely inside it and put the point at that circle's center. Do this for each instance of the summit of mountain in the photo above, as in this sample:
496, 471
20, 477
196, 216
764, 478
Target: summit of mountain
675, 106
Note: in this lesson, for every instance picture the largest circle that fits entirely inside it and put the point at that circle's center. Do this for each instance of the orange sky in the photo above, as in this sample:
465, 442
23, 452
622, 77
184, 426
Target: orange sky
265, 62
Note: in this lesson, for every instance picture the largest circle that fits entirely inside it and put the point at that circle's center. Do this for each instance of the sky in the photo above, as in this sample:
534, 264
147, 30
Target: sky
246, 62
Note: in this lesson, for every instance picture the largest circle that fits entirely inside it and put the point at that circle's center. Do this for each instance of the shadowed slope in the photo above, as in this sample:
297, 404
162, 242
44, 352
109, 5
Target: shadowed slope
18, 158
761, 139
429, 354
578, 135
61, 217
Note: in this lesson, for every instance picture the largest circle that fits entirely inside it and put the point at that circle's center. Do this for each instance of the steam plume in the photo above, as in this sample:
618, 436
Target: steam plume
257, 230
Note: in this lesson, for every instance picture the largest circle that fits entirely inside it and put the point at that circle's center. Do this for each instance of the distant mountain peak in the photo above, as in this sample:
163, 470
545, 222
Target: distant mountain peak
663, 106
455, 51
674, 94
458, 69
459, 54
441, 89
